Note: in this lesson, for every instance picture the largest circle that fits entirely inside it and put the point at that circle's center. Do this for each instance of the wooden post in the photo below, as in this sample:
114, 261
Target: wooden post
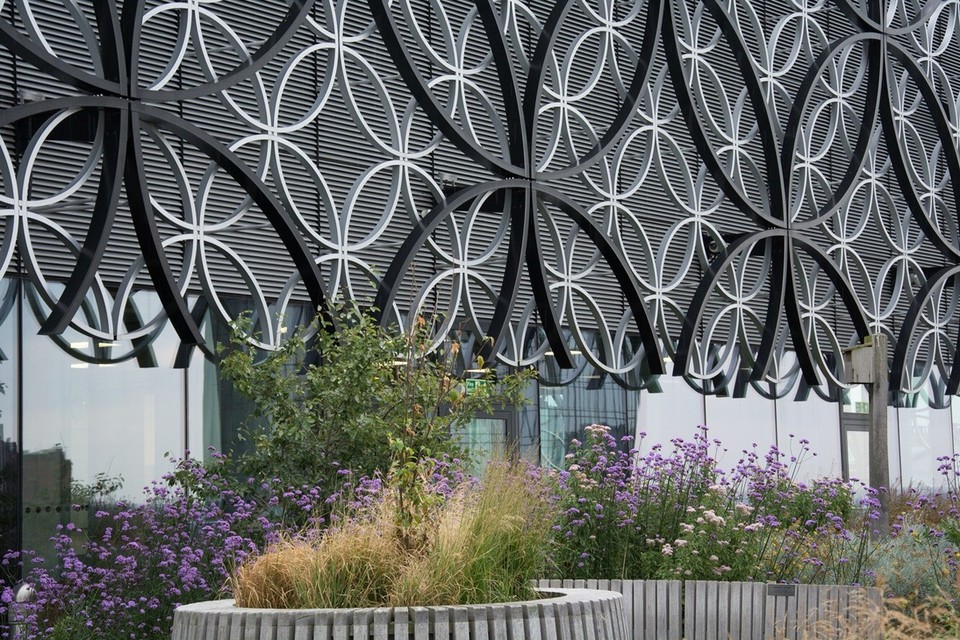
867, 364
879, 451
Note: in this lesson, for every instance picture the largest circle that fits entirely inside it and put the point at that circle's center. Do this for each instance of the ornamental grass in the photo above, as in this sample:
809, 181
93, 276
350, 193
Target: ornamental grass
483, 544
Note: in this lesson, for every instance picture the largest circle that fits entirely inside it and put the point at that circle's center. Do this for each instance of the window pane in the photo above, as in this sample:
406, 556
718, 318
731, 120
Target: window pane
94, 419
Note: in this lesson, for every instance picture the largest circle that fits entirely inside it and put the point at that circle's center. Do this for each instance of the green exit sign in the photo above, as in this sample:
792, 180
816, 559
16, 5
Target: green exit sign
472, 385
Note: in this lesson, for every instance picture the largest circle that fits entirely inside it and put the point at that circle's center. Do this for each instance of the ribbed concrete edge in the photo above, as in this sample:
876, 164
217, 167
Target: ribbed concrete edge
573, 614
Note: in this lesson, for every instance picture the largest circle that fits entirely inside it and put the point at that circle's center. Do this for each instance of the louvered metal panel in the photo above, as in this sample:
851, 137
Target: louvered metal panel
371, 159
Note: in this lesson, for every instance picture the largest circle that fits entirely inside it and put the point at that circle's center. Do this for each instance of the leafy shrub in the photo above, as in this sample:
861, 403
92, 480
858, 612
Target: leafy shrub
916, 563
363, 400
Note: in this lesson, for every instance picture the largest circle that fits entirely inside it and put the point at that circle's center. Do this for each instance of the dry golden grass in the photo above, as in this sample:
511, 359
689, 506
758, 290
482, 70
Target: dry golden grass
935, 618
486, 547
483, 545
350, 566
894, 619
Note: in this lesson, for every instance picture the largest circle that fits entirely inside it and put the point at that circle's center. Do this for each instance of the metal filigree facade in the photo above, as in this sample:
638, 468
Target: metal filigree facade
731, 190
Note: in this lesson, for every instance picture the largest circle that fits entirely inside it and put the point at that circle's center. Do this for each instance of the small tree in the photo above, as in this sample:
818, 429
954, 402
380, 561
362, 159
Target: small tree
375, 400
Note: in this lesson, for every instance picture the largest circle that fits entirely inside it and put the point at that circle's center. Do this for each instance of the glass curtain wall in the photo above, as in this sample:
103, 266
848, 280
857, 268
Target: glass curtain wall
100, 421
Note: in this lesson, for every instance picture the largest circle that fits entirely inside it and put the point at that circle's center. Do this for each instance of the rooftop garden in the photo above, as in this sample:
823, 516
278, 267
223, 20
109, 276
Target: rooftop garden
359, 485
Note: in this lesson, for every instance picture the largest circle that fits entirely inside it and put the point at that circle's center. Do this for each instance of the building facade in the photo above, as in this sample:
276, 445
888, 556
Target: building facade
679, 212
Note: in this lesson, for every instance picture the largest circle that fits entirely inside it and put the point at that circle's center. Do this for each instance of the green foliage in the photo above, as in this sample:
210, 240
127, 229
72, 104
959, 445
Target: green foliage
678, 515
375, 401
918, 563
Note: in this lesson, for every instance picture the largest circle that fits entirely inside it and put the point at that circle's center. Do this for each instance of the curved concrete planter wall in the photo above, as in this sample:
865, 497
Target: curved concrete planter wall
576, 614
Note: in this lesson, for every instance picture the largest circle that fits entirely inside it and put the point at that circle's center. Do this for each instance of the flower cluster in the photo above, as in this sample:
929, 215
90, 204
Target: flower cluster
124, 576
677, 514
669, 513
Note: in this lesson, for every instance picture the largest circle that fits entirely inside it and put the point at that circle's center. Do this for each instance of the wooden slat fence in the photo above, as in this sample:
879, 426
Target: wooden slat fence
651, 608
709, 610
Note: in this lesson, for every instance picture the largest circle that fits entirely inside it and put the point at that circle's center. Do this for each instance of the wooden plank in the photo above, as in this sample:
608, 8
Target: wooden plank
514, 622
700, 624
662, 613
802, 615
564, 632
236, 625
461, 623
576, 621
381, 623
711, 618
770, 618
815, 604
824, 606
361, 623
791, 621
612, 615
723, 611
856, 603
421, 623
532, 621
265, 630
223, 627
441, 622
401, 623
639, 615
812, 615
675, 609
650, 609
875, 597
550, 628
303, 627
479, 629
843, 607
286, 625
496, 622
588, 621
736, 611
600, 620
342, 625
188, 623
251, 628
625, 587
757, 610
689, 609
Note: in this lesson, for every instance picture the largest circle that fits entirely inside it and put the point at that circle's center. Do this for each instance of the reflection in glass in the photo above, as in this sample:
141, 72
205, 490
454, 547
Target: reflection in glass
484, 439
812, 418
99, 417
674, 412
590, 398
219, 416
9, 445
925, 435
741, 423
858, 455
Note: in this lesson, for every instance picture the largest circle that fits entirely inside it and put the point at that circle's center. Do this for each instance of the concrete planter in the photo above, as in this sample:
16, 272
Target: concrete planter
575, 614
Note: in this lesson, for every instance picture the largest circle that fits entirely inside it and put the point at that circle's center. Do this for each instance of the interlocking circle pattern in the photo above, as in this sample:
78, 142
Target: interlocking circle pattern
740, 188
